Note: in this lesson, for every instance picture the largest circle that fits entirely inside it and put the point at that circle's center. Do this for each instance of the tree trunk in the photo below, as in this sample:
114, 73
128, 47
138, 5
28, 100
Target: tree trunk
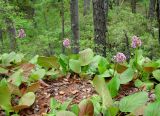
152, 6
117, 2
12, 34
62, 21
75, 25
1, 36
86, 7
99, 20
128, 53
158, 18
106, 7
133, 6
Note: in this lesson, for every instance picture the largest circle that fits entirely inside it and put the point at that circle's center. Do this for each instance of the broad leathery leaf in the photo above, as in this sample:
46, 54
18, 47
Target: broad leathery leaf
86, 56
3, 70
27, 99
75, 65
16, 78
120, 68
105, 74
65, 113
152, 109
126, 76
96, 100
65, 105
112, 111
5, 96
113, 86
102, 66
8, 58
156, 74
150, 66
48, 62
38, 74
33, 87
134, 101
86, 108
157, 92
148, 85
14, 89
102, 89
75, 109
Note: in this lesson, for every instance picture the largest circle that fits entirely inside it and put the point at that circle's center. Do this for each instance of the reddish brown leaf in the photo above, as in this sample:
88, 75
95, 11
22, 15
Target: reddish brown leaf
33, 87
120, 68
86, 108
27, 68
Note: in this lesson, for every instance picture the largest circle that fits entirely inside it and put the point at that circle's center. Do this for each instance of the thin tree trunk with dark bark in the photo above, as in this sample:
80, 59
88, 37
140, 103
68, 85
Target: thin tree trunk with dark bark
117, 2
12, 34
75, 25
86, 7
158, 18
152, 6
133, 5
62, 22
128, 53
1, 36
99, 20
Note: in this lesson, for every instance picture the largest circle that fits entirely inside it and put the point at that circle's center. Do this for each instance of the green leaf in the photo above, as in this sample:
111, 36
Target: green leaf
152, 109
65, 113
16, 78
112, 111
75, 109
48, 62
148, 85
102, 89
38, 74
3, 70
5, 96
86, 56
27, 99
75, 65
65, 105
96, 100
102, 66
126, 76
156, 74
157, 92
134, 101
113, 86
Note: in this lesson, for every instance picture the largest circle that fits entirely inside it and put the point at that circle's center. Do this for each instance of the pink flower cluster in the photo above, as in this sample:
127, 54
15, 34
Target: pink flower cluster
120, 57
136, 42
21, 33
66, 42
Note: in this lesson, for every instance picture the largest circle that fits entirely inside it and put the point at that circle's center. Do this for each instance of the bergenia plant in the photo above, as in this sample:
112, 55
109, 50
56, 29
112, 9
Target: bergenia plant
66, 43
21, 33
136, 42
119, 58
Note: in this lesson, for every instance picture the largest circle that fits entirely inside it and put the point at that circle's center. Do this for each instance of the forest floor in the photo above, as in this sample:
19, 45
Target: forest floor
69, 87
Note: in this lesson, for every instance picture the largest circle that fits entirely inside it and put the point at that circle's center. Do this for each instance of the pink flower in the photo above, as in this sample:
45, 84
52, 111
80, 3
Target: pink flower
136, 42
21, 33
66, 42
120, 57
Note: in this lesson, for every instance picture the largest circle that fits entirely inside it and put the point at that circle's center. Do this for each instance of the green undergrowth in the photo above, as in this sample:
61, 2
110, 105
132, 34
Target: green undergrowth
106, 77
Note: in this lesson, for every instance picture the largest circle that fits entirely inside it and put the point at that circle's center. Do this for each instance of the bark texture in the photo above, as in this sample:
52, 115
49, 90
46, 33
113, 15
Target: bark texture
133, 5
75, 25
152, 6
158, 18
11, 33
86, 7
99, 20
